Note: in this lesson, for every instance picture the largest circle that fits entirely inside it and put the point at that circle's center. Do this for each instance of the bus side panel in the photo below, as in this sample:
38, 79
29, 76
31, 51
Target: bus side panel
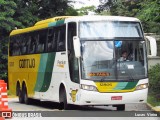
23, 69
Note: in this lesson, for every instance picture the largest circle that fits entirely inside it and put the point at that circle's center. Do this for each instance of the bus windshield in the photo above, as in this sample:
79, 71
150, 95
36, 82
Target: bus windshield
109, 29
103, 60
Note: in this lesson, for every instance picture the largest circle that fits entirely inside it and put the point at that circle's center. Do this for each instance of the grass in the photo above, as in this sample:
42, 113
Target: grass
10, 95
153, 100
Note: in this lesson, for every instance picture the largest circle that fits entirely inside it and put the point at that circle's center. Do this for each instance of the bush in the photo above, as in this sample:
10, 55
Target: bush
154, 79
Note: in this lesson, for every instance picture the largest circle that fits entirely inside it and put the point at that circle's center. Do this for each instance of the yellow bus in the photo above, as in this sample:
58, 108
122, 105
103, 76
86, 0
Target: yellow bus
78, 60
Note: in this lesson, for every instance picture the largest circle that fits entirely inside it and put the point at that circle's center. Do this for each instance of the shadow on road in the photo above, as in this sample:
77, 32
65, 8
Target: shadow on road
56, 106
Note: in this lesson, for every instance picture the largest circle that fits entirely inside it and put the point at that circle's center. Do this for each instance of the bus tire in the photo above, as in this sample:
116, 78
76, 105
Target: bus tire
26, 99
20, 96
17, 89
66, 106
121, 107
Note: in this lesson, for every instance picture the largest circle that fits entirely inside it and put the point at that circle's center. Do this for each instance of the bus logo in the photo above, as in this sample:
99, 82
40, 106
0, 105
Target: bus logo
105, 84
61, 63
27, 63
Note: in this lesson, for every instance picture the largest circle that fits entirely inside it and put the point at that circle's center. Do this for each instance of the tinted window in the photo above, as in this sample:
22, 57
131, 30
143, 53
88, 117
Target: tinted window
73, 61
51, 40
61, 38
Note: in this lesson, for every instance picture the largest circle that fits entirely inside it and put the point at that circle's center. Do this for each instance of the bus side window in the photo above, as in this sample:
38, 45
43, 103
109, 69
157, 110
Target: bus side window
16, 45
41, 47
23, 44
61, 38
33, 47
51, 44
11, 50
73, 61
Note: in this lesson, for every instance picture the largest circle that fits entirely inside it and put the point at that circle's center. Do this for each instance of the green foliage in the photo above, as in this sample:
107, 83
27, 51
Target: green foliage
3, 58
153, 100
148, 11
71, 12
24, 13
150, 15
7, 9
154, 79
86, 10
7, 23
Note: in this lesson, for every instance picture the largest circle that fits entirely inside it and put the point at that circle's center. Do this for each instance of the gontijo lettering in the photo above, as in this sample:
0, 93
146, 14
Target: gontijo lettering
27, 63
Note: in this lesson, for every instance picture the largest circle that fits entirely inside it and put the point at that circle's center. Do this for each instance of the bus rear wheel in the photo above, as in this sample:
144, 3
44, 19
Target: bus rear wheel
20, 96
26, 99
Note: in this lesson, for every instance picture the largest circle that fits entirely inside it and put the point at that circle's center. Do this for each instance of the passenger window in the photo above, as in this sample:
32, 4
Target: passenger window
16, 45
51, 44
41, 42
61, 38
24, 44
33, 45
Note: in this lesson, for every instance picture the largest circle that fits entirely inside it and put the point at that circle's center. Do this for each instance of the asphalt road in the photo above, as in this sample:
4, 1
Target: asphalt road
50, 106
37, 106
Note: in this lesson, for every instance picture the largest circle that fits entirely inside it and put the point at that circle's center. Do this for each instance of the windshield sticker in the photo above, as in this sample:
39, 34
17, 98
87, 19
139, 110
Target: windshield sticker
99, 74
130, 66
118, 43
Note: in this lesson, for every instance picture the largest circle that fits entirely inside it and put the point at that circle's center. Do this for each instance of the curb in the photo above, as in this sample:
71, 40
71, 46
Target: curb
156, 109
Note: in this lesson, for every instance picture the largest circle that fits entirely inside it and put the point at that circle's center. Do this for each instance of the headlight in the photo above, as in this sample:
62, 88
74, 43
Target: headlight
142, 86
88, 87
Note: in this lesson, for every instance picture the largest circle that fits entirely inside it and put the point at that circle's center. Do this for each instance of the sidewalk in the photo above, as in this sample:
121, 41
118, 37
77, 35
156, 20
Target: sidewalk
156, 108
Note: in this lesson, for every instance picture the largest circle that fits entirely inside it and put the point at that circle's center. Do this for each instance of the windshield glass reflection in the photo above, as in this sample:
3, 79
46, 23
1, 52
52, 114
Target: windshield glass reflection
113, 60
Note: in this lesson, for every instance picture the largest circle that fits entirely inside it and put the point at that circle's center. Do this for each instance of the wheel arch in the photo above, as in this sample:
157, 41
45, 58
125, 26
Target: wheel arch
62, 87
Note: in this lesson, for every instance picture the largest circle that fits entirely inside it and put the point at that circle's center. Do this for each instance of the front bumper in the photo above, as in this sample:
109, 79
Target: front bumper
95, 98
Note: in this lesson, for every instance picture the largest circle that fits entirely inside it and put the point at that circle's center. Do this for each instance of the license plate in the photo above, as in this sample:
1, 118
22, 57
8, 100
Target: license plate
116, 98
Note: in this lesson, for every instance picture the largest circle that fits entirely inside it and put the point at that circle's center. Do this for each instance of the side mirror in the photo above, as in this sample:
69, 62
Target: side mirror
152, 45
76, 44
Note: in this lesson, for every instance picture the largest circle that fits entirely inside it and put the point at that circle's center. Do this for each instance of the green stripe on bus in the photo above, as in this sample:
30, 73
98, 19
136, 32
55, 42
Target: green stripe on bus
120, 86
130, 85
48, 72
41, 70
58, 23
52, 24
45, 72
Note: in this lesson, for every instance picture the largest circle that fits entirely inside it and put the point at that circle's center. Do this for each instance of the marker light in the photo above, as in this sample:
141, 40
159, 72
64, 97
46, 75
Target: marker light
142, 86
88, 87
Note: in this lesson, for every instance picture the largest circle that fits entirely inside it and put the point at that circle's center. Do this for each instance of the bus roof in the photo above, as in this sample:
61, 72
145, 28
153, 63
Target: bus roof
45, 23
39, 25
101, 18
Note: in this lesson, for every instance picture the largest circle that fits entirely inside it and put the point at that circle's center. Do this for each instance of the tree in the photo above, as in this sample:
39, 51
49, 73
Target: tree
24, 13
149, 14
7, 23
71, 11
121, 7
28, 12
148, 11
86, 10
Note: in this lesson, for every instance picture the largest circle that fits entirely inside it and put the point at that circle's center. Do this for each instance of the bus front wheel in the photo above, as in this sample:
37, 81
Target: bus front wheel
64, 103
120, 107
